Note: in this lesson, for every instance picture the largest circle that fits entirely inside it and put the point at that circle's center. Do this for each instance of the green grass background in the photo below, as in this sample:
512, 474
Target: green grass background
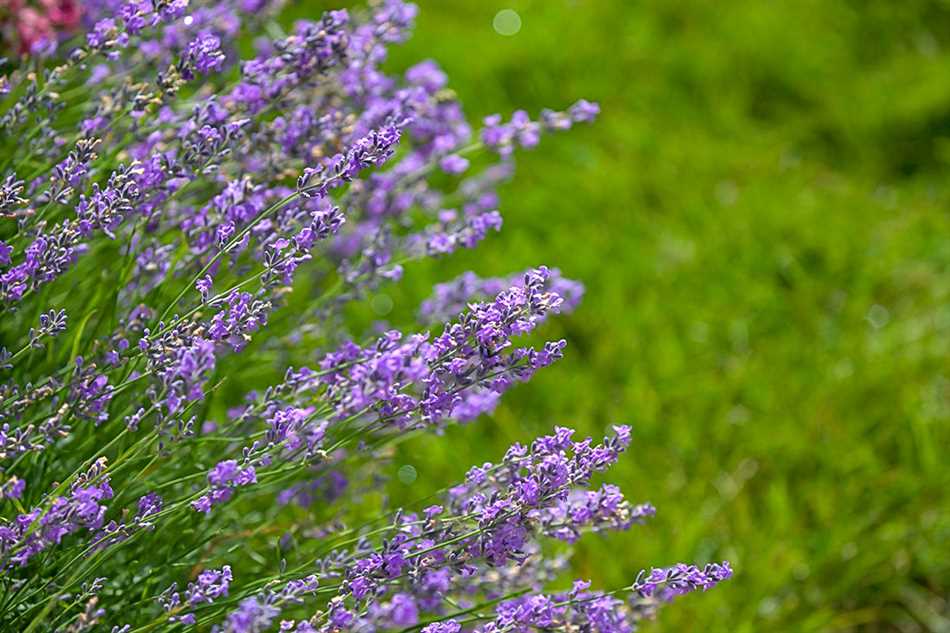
761, 219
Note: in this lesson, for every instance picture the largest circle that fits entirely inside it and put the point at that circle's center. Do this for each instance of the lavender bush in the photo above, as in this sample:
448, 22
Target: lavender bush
174, 217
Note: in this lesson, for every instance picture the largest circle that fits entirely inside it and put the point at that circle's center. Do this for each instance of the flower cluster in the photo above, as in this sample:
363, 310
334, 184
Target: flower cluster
210, 585
580, 609
470, 362
33, 532
36, 29
198, 206
483, 542
450, 298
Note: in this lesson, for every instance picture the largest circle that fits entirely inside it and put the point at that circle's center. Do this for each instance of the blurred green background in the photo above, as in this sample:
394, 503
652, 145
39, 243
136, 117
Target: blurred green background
761, 219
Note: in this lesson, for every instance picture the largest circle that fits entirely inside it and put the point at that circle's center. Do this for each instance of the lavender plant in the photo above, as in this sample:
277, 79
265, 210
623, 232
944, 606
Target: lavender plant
175, 217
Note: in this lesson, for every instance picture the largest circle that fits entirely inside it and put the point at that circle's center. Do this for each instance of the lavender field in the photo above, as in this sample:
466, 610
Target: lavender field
471, 316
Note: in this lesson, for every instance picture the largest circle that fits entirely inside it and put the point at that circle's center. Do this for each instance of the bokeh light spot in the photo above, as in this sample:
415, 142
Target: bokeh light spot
878, 316
407, 474
507, 22
381, 304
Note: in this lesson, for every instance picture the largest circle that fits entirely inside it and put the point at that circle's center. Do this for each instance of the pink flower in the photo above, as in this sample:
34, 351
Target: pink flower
63, 13
33, 28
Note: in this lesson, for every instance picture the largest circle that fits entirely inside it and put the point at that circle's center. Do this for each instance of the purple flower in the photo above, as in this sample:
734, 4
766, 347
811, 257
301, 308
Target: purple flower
203, 286
71, 172
669, 582
12, 488
150, 503
102, 34
451, 298
45, 527
222, 479
204, 55
242, 317
210, 585
403, 611
10, 200
256, 613
584, 111
525, 133
453, 164
182, 369
412, 377
51, 253
448, 626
